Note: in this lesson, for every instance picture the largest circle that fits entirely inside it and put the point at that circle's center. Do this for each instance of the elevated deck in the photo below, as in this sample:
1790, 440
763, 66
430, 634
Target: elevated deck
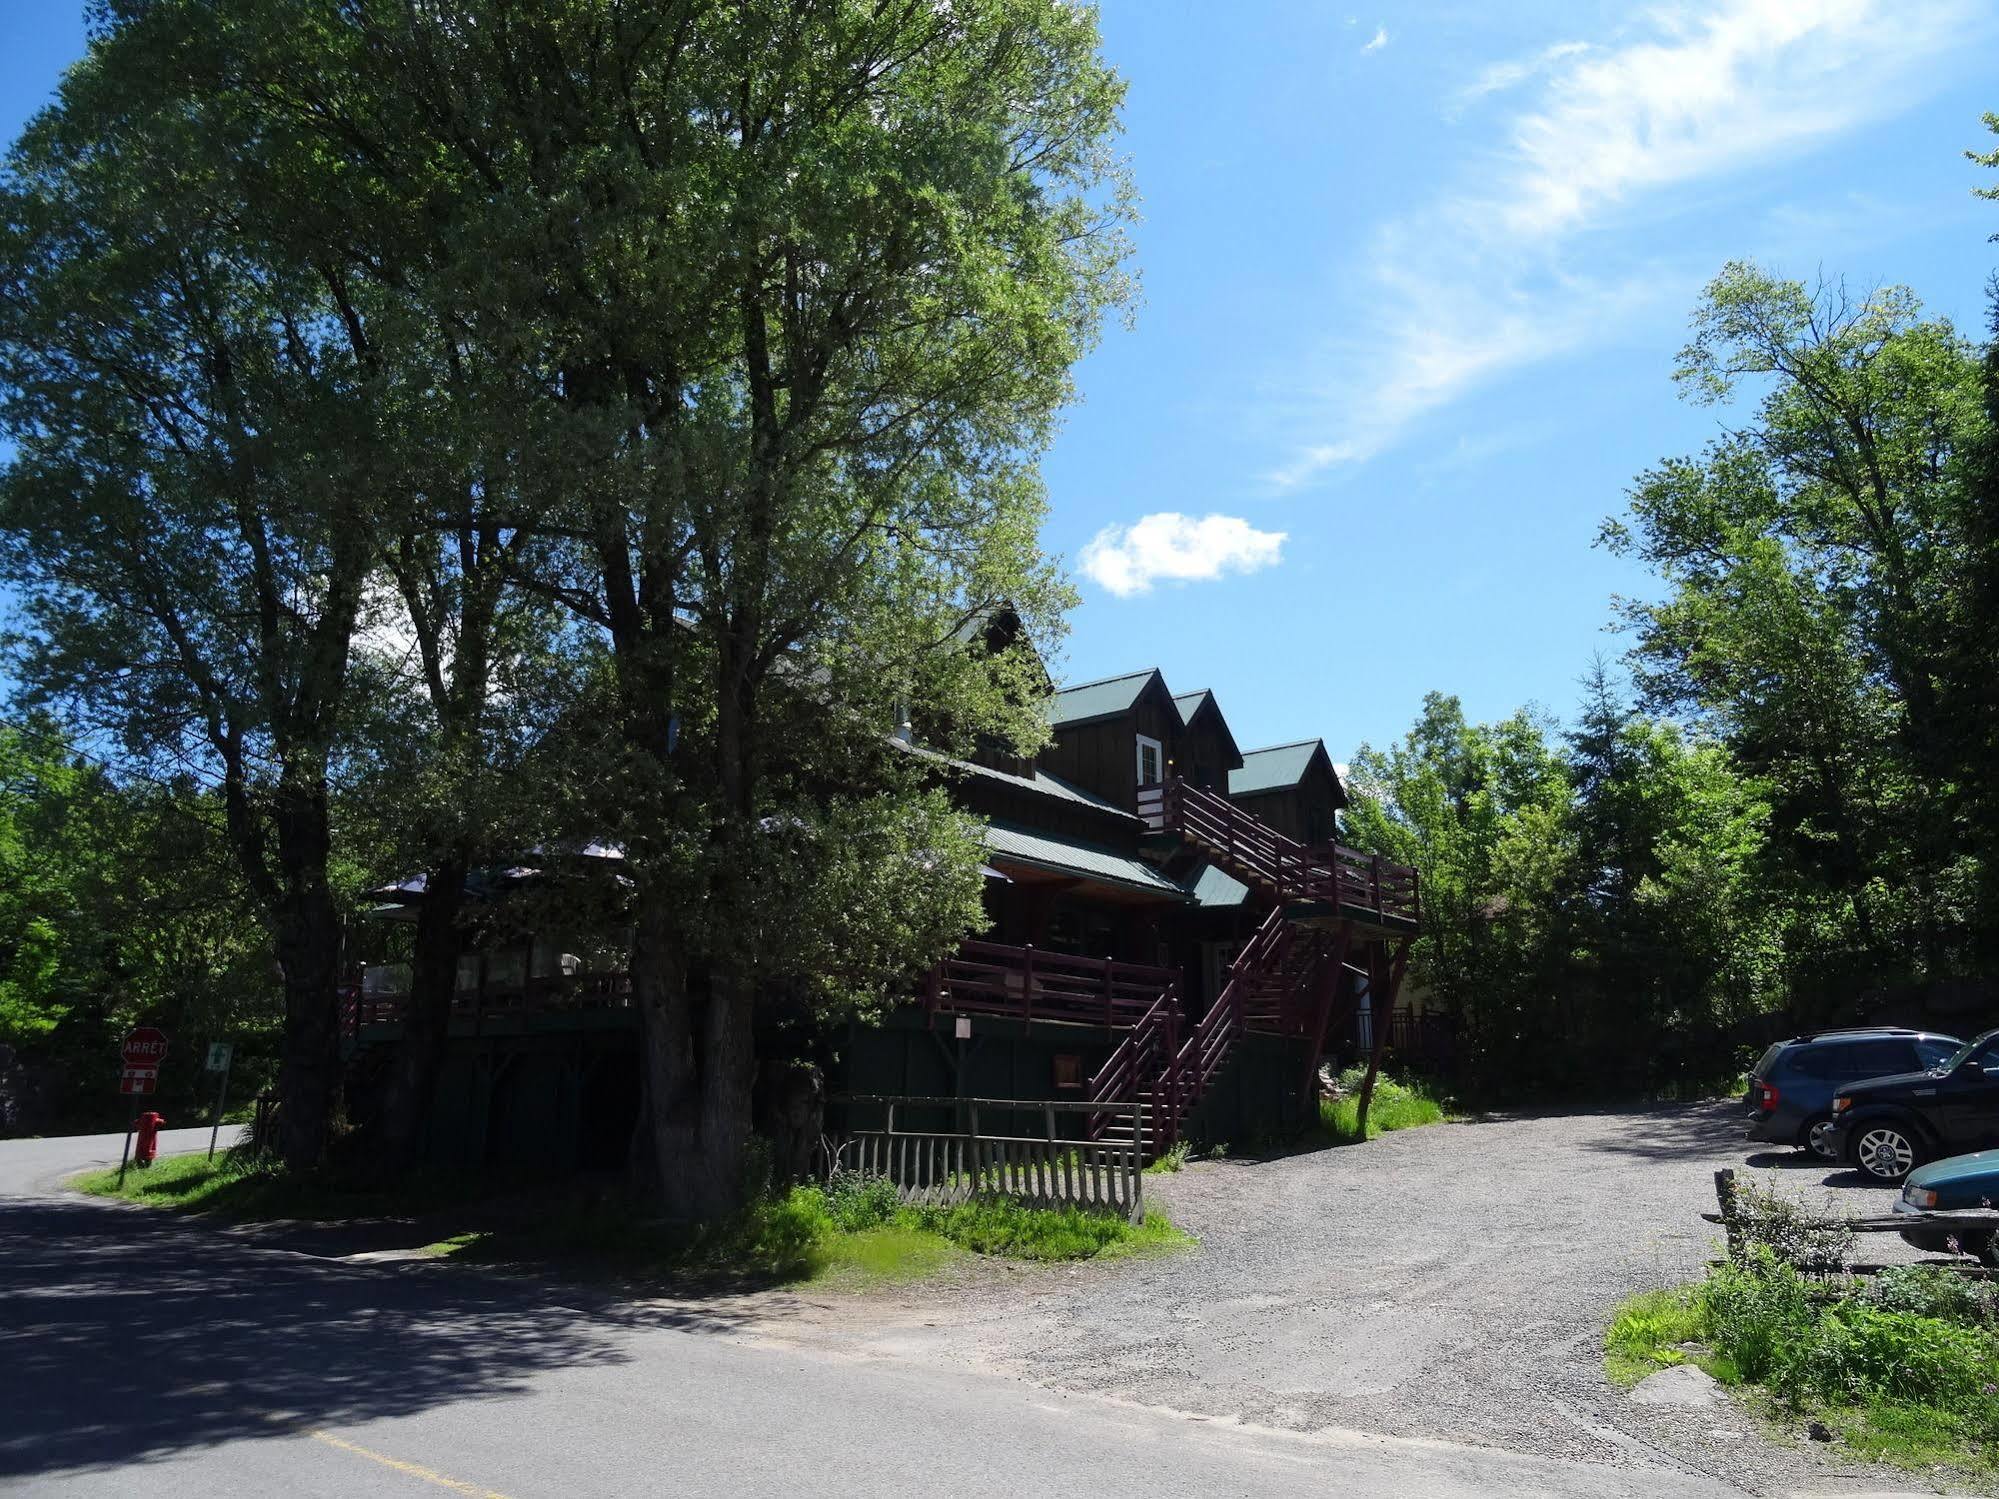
1323, 881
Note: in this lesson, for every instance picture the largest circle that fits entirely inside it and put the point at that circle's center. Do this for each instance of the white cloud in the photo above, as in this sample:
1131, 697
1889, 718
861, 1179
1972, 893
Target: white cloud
1127, 560
1481, 280
1513, 71
1377, 41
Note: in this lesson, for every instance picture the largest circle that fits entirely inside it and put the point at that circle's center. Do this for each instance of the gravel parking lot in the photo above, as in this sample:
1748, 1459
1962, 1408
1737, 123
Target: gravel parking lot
1450, 1282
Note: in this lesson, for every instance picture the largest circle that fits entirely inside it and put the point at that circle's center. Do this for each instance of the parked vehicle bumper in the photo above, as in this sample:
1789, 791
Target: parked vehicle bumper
1931, 1238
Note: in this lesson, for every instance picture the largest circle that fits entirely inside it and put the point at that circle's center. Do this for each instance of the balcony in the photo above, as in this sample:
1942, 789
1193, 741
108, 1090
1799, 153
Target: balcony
1346, 882
1030, 983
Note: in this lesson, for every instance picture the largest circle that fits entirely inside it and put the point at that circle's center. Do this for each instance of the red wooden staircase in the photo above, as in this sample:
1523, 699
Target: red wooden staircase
1283, 981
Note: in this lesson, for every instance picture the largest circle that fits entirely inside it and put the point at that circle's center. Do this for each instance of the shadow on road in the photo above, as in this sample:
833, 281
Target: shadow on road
1675, 1132
133, 1334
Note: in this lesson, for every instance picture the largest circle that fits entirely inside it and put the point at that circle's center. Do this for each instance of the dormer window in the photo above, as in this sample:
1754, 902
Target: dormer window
1151, 762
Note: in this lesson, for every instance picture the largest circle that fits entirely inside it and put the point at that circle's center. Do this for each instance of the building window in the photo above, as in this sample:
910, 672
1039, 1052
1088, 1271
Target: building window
1068, 1070
1151, 762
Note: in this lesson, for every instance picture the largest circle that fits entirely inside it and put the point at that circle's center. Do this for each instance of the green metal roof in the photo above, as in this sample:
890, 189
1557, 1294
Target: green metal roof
1006, 841
1044, 784
1274, 768
1189, 703
1090, 700
1213, 888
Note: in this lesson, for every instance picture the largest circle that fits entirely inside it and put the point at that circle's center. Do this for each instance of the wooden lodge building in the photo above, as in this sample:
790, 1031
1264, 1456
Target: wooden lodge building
1172, 923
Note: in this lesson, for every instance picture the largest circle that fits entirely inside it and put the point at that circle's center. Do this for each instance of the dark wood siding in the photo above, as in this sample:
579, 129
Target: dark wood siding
1304, 812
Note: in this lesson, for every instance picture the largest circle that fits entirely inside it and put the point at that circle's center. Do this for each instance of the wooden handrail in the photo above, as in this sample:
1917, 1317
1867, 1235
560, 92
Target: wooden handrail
1248, 848
1027, 982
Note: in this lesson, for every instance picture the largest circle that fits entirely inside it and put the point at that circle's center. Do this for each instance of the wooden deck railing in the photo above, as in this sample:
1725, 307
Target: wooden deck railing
1030, 983
959, 1162
1250, 849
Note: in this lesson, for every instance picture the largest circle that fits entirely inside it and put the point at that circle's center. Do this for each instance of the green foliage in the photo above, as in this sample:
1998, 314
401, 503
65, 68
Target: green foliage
857, 1200
1904, 1367
1757, 1315
999, 1226
1652, 1331
1614, 908
1396, 1104
1774, 1224
119, 904
1855, 1351
1594, 909
1817, 560
1932, 1291
1173, 1157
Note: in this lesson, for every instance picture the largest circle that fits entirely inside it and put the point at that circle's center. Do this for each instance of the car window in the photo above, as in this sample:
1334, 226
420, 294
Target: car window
1932, 1052
1879, 1058
1767, 1061
1981, 1047
1814, 1061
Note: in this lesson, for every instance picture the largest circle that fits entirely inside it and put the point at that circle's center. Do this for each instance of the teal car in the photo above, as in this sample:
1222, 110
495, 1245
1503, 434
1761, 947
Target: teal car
1955, 1184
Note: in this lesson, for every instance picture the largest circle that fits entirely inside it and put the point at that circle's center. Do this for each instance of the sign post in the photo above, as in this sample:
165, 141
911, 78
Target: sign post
220, 1055
144, 1049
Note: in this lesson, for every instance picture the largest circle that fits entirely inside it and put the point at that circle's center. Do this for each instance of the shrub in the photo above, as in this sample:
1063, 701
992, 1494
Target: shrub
1768, 1221
1855, 1351
1754, 1314
859, 1200
1931, 1291
1173, 1157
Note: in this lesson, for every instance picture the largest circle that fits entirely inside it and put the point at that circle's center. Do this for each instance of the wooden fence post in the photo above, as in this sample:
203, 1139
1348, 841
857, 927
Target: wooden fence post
1731, 1222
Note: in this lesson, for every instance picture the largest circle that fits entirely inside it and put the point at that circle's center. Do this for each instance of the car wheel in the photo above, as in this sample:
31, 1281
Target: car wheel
1819, 1139
1886, 1152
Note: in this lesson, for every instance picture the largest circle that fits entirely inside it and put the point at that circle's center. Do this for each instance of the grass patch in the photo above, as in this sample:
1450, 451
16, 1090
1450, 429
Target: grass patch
1653, 1331
1171, 1159
855, 1231
1902, 1367
1397, 1104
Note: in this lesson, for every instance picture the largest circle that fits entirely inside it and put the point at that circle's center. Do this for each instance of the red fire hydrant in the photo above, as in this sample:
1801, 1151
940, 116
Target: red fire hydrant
147, 1145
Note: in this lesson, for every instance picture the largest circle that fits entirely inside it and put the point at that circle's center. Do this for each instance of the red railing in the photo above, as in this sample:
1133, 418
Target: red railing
1256, 853
1144, 1070
1030, 983
1148, 1068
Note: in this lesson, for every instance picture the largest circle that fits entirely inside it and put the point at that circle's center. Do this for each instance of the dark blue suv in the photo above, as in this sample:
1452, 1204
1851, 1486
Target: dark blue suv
1792, 1087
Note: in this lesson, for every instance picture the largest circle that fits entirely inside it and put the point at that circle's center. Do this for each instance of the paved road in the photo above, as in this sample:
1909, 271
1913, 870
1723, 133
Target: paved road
143, 1353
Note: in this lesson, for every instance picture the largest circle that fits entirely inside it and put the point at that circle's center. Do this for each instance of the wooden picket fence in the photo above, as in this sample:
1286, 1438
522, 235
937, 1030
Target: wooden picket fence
944, 1166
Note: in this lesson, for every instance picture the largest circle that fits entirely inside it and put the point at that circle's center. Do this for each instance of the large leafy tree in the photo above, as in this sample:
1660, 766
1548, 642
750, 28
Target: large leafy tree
777, 302
1816, 561
190, 509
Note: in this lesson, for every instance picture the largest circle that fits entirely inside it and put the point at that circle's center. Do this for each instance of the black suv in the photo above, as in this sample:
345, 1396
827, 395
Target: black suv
1890, 1125
1792, 1087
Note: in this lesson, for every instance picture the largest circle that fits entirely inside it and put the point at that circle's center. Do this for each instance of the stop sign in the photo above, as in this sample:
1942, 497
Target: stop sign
144, 1049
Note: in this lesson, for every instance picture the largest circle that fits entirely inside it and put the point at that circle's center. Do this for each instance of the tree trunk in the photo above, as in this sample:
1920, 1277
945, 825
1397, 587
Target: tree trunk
1381, 1016
308, 942
699, 1077
427, 1022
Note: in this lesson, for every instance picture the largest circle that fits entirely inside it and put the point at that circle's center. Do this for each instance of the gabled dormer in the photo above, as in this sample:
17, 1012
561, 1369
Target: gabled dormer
1292, 787
1208, 750
1113, 736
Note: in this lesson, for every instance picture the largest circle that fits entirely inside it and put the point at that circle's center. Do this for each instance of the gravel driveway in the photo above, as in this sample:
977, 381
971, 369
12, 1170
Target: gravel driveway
1450, 1282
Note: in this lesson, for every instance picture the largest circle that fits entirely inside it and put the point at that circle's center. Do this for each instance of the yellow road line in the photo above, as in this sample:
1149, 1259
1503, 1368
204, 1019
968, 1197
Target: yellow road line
415, 1470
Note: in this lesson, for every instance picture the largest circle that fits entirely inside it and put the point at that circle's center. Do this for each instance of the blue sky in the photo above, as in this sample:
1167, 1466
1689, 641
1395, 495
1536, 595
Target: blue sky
1414, 278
